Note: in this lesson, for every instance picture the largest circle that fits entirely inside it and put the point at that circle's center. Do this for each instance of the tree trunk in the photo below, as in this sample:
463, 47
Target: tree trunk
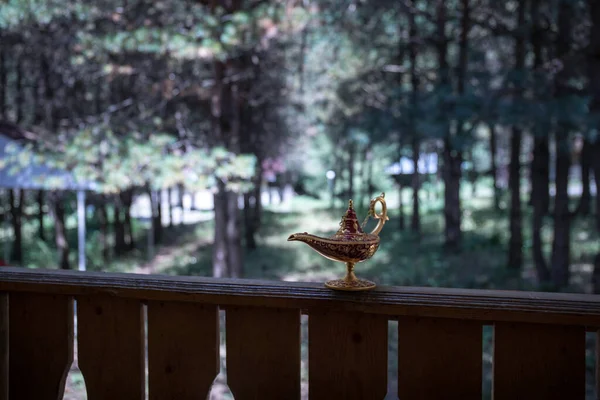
302, 58
19, 92
401, 219
452, 209
562, 218
220, 124
365, 176
127, 200
16, 212
494, 166
540, 171
38, 95
60, 230
515, 249
119, 228
540, 168
249, 228
596, 168
129, 227
257, 193
219, 256
540, 164
583, 208
170, 206
234, 243
180, 193
157, 216
3, 82
540, 200
193, 204
452, 155
49, 110
415, 223
369, 178
539, 260
233, 229
561, 245
472, 174
594, 78
103, 222
40, 215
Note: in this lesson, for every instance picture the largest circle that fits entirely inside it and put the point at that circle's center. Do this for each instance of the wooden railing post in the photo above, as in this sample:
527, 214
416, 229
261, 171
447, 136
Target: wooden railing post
110, 342
183, 350
263, 353
535, 361
41, 345
3, 346
439, 358
347, 355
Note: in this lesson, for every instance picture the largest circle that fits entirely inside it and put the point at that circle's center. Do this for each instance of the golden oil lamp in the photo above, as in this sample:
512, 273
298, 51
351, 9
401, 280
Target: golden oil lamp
350, 244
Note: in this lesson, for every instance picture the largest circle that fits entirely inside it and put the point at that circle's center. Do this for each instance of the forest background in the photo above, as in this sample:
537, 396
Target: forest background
211, 130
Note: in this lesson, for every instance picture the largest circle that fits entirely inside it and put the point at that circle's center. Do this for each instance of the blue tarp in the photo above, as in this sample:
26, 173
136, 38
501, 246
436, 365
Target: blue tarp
35, 175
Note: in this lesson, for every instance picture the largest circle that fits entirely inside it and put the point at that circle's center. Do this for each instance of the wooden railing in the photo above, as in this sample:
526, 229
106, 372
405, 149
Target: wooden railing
539, 338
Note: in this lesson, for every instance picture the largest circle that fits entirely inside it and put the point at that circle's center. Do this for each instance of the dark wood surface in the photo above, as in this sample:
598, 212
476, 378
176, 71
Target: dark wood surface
4, 346
484, 305
111, 347
41, 345
263, 353
598, 365
183, 350
347, 356
534, 361
438, 356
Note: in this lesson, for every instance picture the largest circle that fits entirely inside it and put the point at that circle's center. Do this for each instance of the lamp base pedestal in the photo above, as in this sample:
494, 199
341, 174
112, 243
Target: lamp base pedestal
353, 286
350, 282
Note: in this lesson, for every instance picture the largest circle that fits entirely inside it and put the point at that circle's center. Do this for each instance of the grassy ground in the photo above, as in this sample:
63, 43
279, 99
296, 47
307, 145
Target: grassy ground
403, 258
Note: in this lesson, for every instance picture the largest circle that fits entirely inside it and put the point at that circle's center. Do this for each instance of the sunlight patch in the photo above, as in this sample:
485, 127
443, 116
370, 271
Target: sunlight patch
75, 386
220, 390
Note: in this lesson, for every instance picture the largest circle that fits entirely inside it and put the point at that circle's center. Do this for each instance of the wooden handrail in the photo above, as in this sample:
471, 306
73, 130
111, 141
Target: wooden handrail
471, 304
539, 338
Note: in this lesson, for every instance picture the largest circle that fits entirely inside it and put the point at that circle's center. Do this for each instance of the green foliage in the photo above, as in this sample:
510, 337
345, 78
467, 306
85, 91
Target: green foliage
13, 13
116, 164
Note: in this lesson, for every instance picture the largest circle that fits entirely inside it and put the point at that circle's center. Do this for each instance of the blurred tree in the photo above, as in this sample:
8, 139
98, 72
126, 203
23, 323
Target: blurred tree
593, 68
515, 249
453, 141
561, 243
540, 164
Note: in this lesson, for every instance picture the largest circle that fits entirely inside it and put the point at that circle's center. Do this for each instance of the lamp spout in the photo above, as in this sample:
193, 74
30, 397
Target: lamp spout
297, 237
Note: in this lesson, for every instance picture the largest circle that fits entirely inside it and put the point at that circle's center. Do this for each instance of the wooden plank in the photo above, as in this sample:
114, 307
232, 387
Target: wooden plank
347, 356
598, 365
183, 350
4, 350
263, 353
438, 356
111, 347
41, 345
533, 361
482, 305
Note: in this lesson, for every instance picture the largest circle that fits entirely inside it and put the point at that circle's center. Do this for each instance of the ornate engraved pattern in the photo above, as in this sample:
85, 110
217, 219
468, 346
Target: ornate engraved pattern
345, 251
355, 285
